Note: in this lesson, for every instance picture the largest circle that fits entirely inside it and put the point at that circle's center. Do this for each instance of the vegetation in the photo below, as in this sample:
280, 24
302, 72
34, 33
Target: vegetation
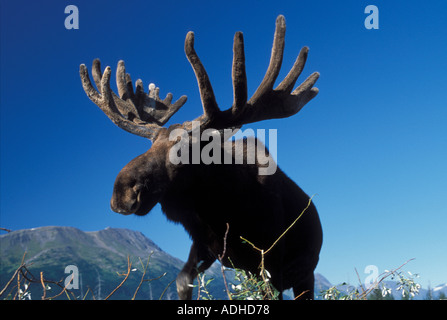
405, 285
20, 286
100, 257
243, 286
26, 284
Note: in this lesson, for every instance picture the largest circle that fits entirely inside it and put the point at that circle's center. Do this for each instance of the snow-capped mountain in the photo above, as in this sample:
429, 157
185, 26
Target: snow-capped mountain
439, 290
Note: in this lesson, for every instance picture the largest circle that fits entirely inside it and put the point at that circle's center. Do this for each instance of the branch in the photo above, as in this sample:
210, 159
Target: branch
384, 276
293, 223
43, 286
264, 252
129, 265
164, 291
12, 279
144, 273
221, 262
283, 234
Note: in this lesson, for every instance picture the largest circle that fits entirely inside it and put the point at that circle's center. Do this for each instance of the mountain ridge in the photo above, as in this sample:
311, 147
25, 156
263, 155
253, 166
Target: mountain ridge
99, 256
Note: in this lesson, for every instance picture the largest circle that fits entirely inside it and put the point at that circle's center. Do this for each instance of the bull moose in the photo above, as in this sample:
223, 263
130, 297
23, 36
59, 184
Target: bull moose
206, 198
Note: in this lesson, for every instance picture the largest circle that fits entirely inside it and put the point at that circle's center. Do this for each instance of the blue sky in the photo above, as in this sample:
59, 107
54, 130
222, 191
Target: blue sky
372, 145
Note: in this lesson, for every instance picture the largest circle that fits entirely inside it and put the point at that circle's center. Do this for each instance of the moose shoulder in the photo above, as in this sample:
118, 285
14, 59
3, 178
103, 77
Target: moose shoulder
204, 197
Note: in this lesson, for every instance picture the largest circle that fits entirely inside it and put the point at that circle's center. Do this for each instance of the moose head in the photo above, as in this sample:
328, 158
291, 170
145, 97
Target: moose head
247, 202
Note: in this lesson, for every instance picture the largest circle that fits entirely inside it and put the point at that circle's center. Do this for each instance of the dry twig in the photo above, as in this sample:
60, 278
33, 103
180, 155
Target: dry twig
264, 252
129, 266
221, 257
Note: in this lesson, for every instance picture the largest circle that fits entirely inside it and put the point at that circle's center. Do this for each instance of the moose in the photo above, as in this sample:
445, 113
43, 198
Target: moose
217, 204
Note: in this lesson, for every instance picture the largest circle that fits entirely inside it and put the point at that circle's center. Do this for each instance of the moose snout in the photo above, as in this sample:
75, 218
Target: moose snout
118, 209
126, 204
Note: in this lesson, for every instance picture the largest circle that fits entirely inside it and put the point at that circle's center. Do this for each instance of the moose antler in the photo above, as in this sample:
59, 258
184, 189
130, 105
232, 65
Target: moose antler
266, 102
136, 112
145, 114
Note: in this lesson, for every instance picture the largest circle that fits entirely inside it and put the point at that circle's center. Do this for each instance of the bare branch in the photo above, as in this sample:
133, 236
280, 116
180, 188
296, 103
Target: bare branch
43, 286
129, 266
221, 257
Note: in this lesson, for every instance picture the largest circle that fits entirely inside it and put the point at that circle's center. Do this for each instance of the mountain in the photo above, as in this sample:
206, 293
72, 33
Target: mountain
424, 294
99, 257
321, 283
439, 290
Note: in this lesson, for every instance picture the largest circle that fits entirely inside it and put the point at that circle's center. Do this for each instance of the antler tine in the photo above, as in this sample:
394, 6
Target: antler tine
106, 102
137, 113
165, 113
289, 81
239, 75
269, 103
128, 110
275, 60
124, 82
160, 110
266, 102
96, 73
210, 107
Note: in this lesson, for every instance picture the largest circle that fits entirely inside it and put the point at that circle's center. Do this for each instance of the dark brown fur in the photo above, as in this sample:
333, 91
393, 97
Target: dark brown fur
204, 198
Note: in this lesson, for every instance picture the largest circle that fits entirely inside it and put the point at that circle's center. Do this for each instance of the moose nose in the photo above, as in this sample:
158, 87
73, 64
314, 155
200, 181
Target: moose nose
120, 208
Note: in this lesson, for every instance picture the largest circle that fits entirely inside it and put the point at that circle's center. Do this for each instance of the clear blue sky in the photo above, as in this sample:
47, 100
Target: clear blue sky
372, 146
